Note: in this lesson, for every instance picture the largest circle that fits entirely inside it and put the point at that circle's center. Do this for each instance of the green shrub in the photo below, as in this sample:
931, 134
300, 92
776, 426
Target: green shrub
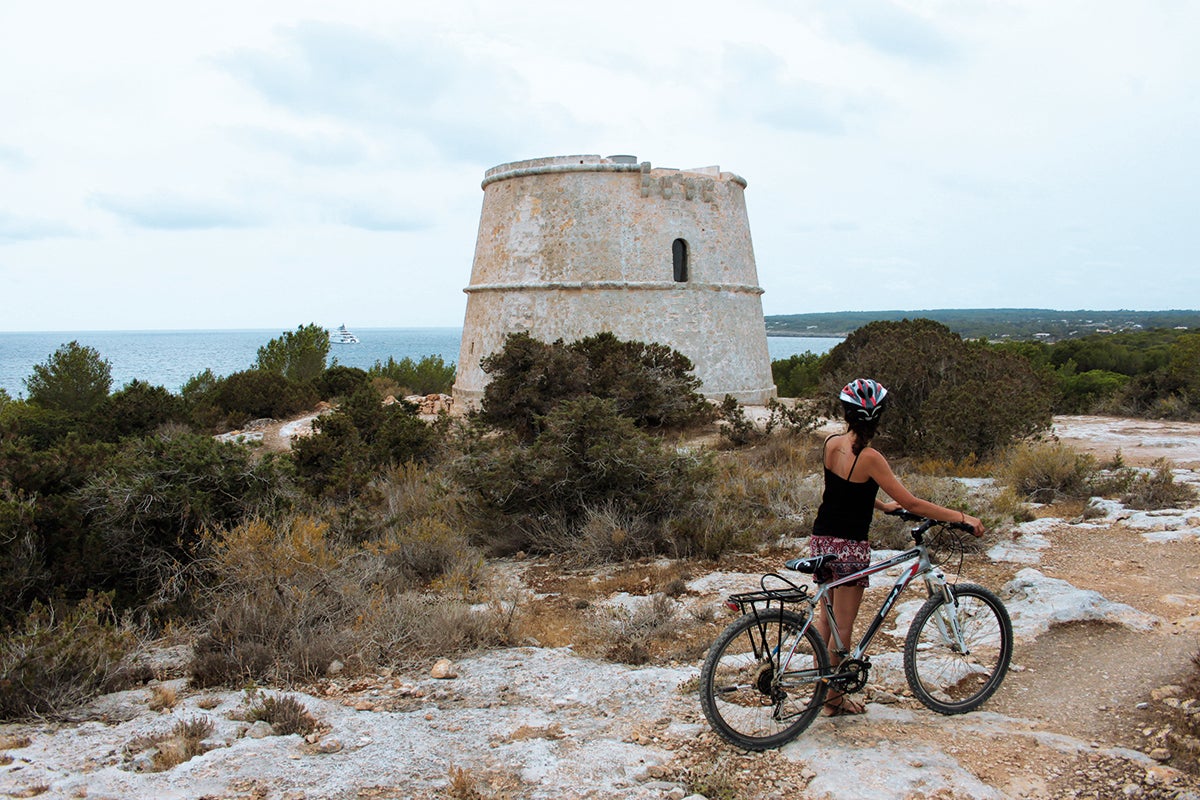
587, 456
74, 379
949, 398
42, 428
798, 375
528, 378
44, 534
150, 504
340, 381
650, 384
298, 356
256, 394
430, 375
1081, 392
352, 445
56, 657
135, 410
1043, 472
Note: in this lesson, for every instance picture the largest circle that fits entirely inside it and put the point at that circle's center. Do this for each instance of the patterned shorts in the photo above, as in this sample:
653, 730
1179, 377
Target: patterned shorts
851, 556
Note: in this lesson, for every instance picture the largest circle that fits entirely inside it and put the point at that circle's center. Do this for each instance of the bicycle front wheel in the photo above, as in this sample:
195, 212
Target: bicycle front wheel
956, 654
761, 684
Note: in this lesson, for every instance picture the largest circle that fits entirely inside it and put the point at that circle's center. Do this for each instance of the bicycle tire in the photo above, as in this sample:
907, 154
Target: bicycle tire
743, 700
939, 674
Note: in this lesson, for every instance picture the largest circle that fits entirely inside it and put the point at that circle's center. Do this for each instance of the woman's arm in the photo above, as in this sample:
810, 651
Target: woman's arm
879, 469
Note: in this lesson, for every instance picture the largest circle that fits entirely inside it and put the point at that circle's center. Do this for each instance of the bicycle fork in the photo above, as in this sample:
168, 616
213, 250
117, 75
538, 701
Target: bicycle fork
947, 617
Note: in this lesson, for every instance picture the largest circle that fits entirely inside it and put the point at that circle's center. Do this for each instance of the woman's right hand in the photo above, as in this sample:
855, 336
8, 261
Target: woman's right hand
976, 523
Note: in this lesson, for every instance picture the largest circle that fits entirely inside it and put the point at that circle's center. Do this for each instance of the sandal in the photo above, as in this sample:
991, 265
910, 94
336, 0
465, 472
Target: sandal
842, 706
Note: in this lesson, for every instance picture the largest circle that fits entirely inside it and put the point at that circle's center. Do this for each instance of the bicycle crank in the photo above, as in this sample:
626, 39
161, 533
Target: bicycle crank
851, 675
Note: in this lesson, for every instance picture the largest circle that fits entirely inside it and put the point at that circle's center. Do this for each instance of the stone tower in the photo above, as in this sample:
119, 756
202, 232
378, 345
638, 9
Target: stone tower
570, 246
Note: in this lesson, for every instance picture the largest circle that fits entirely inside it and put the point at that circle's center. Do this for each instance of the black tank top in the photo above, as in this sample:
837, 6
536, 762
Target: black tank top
846, 506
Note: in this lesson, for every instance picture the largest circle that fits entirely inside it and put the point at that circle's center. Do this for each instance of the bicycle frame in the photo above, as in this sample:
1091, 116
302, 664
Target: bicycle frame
921, 567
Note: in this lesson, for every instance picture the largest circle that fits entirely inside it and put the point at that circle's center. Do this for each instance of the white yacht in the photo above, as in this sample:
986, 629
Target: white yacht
343, 336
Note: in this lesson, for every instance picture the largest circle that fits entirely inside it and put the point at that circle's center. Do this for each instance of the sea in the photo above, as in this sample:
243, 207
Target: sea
170, 358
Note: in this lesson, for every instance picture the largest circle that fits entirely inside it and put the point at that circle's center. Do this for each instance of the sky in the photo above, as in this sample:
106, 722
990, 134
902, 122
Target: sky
266, 164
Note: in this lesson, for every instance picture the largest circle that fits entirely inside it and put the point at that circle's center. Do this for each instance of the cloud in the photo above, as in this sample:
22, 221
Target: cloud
889, 29
12, 157
373, 218
316, 150
17, 229
757, 83
464, 104
164, 211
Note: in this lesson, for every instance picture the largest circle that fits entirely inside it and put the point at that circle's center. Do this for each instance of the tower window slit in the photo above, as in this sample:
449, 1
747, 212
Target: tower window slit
679, 258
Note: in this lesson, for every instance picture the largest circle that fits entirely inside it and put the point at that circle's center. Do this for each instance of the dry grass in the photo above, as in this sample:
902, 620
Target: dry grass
1043, 472
466, 784
291, 598
1158, 489
1181, 734
162, 698
286, 715
183, 742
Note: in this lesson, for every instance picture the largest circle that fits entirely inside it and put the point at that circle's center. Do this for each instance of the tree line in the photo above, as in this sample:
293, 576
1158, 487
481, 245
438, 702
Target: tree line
1144, 373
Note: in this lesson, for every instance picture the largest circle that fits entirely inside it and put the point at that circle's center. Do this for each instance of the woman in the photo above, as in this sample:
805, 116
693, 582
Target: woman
854, 474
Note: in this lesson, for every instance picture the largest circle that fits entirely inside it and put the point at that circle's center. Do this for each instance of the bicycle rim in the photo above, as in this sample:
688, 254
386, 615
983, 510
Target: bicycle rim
752, 699
948, 677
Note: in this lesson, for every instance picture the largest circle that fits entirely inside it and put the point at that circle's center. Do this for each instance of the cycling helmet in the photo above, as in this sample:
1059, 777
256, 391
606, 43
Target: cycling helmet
863, 398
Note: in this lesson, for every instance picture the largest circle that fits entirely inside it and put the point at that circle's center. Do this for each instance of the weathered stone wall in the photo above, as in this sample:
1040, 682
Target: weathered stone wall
572, 245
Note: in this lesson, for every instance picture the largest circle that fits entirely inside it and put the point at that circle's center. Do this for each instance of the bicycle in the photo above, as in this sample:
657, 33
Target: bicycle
766, 676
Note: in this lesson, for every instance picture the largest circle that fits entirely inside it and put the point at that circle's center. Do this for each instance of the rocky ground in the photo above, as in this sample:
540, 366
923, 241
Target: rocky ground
1106, 612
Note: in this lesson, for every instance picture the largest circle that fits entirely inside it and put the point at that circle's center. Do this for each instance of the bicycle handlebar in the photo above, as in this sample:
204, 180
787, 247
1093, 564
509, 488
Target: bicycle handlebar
927, 523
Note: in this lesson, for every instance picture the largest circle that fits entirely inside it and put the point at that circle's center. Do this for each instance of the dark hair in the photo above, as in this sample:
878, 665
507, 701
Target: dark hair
863, 429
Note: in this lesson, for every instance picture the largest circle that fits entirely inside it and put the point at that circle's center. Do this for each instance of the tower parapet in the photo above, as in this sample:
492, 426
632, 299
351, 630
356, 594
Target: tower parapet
570, 246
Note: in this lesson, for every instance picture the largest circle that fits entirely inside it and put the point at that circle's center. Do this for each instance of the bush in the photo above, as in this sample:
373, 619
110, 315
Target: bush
1083, 391
289, 599
1044, 472
1158, 489
286, 715
430, 375
255, 394
280, 601
948, 398
43, 532
587, 456
153, 500
75, 379
528, 379
340, 381
353, 444
135, 410
799, 375
650, 384
298, 356
57, 657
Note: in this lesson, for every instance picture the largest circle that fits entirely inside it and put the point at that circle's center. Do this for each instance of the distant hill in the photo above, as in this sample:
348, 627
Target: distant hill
990, 323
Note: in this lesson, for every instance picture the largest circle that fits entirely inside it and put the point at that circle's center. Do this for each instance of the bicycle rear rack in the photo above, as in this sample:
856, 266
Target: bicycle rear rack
763, 599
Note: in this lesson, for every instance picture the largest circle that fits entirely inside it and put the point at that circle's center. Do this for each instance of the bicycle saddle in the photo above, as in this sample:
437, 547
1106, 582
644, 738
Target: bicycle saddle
810, 565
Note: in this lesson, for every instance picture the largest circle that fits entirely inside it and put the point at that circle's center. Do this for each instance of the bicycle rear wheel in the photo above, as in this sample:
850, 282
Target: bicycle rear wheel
953, 678
753, 697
